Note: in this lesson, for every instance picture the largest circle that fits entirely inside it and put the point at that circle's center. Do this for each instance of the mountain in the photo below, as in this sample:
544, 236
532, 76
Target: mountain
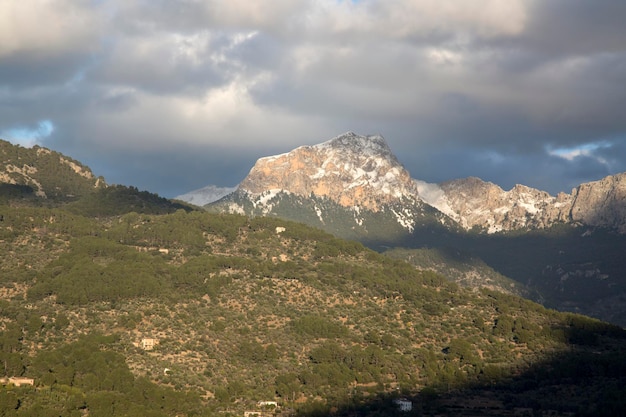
44, 174
116, 303
205, 195
351, 184
475, 203
361, 173
552, 249
352, 170
41, 176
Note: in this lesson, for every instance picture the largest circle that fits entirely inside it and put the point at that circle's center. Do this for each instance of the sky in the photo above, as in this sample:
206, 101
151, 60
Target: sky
173, 95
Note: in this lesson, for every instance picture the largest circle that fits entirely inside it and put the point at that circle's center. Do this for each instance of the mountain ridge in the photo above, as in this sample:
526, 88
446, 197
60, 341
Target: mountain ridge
563, 251
361, 171
350, 169
115, 304
44, 173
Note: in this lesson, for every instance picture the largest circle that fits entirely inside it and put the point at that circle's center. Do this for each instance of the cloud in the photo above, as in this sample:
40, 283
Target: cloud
29, 135
503, 90
47, 27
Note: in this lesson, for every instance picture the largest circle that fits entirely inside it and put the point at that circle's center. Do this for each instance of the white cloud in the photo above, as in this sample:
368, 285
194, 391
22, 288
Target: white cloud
421, 18
588, 150
47, 27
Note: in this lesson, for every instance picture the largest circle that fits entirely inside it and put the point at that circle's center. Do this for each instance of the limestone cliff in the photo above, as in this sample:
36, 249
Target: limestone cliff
601, 203
478, 203
360, 172
352, 170
473, 202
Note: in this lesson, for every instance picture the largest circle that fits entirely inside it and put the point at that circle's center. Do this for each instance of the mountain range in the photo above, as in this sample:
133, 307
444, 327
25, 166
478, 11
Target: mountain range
116, 302
361, 172
554, 249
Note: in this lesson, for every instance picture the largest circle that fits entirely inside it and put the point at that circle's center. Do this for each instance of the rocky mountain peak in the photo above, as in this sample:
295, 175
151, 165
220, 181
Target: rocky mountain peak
357, 172
601, 203
350, 169
373, 145
486, 205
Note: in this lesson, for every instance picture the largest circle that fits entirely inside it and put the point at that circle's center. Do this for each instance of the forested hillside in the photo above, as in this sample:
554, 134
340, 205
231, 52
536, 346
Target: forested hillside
234, 311
117, 302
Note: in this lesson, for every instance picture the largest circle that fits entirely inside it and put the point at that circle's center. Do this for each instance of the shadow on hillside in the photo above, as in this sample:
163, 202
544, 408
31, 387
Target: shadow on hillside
588, 380
577, 269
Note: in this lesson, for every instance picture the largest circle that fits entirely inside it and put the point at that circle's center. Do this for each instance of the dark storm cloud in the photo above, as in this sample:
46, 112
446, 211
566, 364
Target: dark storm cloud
174, 95
219, 164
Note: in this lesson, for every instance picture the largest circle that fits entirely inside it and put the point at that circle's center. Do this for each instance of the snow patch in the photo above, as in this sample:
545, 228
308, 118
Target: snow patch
236, 209
321, 173
264, 200
529, 207
405, 219
318, 211
357, 214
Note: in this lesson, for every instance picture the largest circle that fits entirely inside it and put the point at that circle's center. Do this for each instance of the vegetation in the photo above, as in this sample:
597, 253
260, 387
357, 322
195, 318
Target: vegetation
566, 267
248, 310
115, 312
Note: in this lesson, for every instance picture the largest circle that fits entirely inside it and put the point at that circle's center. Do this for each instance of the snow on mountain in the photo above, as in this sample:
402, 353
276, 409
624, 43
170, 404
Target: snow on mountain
484, 204
361, 173
205, 195
350, 169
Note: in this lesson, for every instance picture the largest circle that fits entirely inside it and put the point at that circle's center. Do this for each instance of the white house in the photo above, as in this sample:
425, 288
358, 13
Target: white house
403, 404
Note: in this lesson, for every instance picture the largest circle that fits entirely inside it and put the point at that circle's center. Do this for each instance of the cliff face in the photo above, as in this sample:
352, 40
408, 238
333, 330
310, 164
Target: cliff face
361, 172
601, 203
474, 202
483, 204
351, 170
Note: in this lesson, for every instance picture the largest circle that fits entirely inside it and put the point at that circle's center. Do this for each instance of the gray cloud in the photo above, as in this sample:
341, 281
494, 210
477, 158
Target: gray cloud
174, 95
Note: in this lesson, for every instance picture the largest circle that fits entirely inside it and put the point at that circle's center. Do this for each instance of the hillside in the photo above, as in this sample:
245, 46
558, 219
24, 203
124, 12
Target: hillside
564, 252
38, 176
247, 310
43, 173
120, 303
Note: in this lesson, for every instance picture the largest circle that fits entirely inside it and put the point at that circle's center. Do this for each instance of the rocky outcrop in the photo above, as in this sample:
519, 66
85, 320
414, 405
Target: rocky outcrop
601, 203
361, 172
352, 170
476, 203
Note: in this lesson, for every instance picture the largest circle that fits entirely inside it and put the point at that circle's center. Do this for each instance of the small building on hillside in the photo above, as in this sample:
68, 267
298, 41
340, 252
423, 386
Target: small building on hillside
148, 343
403, 404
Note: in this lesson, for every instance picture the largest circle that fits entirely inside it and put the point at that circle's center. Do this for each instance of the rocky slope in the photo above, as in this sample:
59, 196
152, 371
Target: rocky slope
601, 203
351, 170
476, 203
361, 173
45, 173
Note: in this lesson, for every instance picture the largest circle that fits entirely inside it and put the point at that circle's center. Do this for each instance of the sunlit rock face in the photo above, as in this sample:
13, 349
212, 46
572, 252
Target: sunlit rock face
360, 172
351, 170
601, 203
474, 202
